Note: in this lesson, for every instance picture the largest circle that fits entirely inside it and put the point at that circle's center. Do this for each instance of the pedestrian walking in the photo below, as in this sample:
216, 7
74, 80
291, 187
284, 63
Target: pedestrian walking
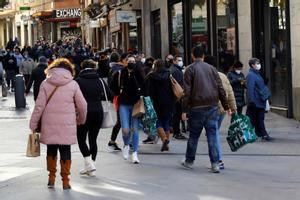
160, 90
176, 71
203, 89
238, 83
222, 113
93, 92
11, 69
37, 77
256, 104
129, 86
117, 63
26, 67
61, 107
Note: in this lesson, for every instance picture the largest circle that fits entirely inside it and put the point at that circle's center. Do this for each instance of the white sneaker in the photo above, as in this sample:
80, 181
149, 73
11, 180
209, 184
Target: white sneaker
92, 173
88, 166
126, 152
215, 168
135, 158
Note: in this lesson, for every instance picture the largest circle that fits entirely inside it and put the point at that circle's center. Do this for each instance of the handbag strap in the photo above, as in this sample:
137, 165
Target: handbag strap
104, 89
51, 95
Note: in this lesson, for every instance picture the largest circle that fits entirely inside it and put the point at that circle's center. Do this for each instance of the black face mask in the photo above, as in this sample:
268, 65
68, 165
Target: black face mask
131, 66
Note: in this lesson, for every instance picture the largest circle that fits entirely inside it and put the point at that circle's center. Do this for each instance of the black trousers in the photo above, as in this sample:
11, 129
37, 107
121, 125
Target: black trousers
91, 130
64, 150
10, 78
257, 118
26, 78
176, 118
116, 129
239, 110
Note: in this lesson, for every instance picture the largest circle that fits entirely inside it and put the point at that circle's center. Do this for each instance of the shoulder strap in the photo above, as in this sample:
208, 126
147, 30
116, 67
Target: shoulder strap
104, 89
51, 95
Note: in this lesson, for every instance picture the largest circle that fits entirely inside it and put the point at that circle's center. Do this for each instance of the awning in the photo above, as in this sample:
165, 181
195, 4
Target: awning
7, 13
42, 14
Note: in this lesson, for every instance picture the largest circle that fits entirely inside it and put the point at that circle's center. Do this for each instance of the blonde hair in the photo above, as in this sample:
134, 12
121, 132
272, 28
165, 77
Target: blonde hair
61, 63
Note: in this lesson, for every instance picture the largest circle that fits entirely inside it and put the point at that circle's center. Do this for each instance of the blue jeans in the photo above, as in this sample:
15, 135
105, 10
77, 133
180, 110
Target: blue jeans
207, 118
220, 120
130, 126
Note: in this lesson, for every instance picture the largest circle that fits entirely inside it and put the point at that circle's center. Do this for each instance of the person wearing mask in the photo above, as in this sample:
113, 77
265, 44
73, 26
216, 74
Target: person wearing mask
256, 105
59, 117
176, 71
159, 85
116, 66
26, 67
92, 89
231, 102
169, 60
238, 83
128, 84
37, 77
11, 69
202, 91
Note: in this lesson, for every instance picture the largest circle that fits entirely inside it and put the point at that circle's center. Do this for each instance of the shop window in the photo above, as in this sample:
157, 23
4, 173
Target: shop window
199, 28
177, 37
226, 32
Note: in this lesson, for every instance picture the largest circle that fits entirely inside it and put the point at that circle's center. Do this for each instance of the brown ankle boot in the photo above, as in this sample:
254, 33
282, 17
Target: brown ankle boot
161, 134
51, 167
65, 172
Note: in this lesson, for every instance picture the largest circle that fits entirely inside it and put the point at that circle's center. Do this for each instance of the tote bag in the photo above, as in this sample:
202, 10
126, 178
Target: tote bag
107, 115
33, 145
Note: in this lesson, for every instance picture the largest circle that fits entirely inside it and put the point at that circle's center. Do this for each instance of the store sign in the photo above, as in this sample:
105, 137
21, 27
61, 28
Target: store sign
95, 24
67, 13
123, 16
114, 26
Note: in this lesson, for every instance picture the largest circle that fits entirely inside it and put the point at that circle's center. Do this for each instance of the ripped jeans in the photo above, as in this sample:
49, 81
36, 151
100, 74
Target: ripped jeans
129, 126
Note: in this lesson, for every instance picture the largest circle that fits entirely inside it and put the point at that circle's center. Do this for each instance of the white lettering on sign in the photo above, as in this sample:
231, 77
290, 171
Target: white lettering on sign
68, 13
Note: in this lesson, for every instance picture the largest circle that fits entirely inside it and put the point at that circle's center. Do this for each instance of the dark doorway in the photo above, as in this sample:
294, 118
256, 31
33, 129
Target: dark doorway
156, 34
271, 44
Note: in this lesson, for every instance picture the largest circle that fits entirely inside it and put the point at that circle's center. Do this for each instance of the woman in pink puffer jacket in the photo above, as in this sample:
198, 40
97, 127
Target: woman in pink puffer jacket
65, 110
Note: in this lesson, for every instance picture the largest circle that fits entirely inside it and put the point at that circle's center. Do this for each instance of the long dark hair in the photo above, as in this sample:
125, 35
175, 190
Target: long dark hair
159, 65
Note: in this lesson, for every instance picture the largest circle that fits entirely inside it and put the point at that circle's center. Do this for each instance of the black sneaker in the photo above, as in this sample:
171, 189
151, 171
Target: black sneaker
267, 138
113, 147
148, 141
179, 137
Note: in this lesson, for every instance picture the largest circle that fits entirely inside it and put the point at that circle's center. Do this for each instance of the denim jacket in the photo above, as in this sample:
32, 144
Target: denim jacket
255, 83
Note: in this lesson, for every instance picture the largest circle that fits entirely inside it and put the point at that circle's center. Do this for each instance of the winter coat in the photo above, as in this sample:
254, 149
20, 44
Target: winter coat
92, 90
10, 63
255, 83
127, 86
159, 88
115, 67
229, 94
37, 77
64, 111
238, 89
177, 73
27, 66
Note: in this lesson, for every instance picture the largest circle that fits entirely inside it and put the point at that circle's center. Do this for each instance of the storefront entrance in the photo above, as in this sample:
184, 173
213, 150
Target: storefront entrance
210, 24
271, 44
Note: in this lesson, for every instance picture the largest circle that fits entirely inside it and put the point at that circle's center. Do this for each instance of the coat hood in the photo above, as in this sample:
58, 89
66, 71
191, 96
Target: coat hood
89, 74
59, 76
161, 75
116, 67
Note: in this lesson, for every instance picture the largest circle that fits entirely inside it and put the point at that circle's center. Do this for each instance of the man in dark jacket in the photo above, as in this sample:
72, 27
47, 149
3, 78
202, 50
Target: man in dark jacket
176, 71
11, 69
37, 77
202, 91
256, 105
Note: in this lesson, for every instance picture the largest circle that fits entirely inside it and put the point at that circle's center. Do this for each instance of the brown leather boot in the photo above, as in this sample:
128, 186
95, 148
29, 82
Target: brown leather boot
51, 167
164, 139
65, 172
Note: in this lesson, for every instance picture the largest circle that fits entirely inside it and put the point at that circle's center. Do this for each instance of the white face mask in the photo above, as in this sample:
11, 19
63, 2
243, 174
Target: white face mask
238, 71
143, 60
258, 67
180, 63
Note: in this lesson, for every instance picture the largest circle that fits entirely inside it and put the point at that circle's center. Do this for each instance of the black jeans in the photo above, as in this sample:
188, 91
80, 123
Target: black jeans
257, 118
64, 150
176, 118
91, 130
26, 77
10, 78
239, 110
116, 129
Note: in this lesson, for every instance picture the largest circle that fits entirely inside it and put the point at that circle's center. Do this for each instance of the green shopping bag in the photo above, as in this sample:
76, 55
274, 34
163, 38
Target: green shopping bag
149, 118
241, 132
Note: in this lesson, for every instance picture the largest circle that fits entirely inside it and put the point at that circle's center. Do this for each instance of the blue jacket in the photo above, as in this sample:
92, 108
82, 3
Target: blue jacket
255, 83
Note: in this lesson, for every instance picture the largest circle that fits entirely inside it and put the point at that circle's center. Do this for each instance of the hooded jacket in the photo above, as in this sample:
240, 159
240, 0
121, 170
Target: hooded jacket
64, 111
